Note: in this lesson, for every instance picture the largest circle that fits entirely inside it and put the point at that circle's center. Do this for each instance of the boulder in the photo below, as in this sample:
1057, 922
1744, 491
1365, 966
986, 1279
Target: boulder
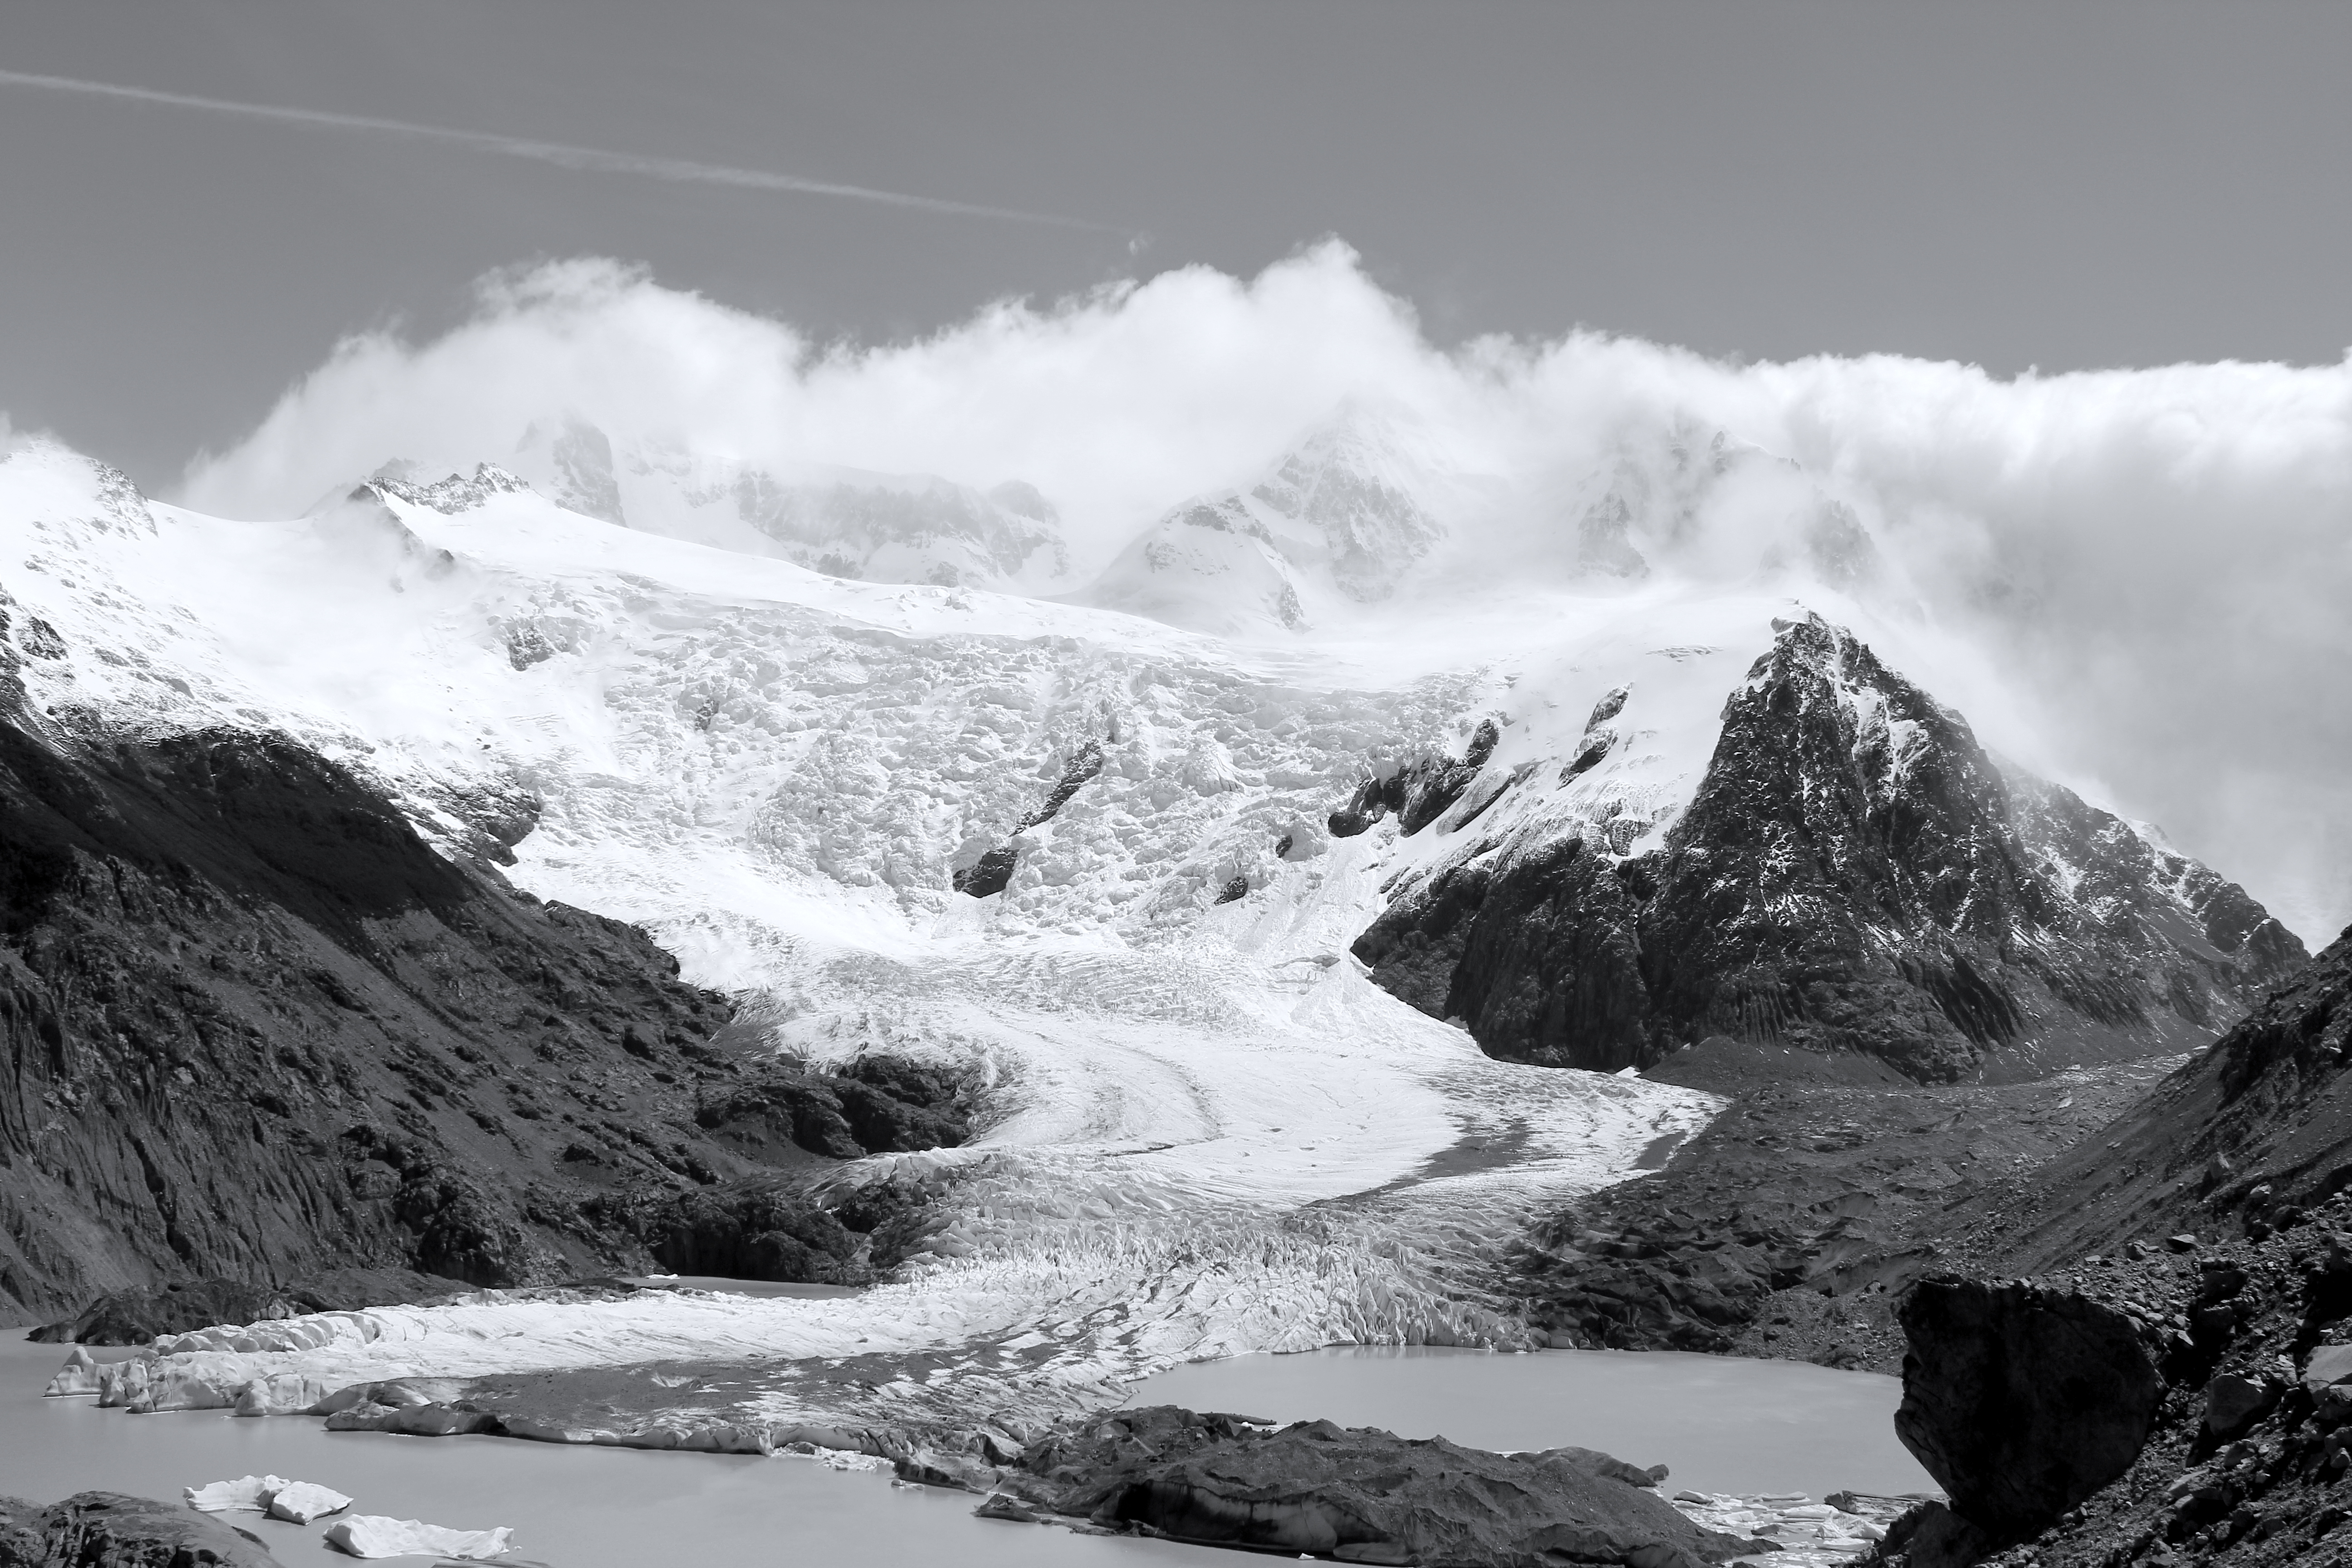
2233, 1403
1935, 1537
110, 1530
2328, 1365
2021, 1400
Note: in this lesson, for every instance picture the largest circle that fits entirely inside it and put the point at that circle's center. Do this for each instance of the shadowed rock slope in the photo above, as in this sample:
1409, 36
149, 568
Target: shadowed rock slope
252, 1028
1853, 874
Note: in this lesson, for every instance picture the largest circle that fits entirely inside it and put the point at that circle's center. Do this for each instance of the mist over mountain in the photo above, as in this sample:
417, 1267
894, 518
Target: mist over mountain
2145, 563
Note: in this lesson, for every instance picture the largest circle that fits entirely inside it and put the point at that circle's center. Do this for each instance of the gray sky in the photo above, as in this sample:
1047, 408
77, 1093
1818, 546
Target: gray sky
2097, 185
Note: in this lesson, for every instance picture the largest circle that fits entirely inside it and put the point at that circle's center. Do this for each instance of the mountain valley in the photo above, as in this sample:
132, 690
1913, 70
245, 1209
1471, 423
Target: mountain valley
432, 919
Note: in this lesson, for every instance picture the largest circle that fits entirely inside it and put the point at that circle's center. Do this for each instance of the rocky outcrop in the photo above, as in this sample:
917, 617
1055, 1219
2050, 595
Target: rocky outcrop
988, 874
1853, 874
252, 1028
1358, 1494
2022, 1400
110, 1530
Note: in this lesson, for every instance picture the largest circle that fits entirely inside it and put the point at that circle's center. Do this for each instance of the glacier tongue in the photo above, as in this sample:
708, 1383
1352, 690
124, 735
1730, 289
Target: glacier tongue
1212, 1133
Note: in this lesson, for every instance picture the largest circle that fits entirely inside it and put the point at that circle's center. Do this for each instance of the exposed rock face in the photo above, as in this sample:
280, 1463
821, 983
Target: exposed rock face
1853, 873
110, 1530
987, 875
1359, 1495
254, 1027
2022, 1400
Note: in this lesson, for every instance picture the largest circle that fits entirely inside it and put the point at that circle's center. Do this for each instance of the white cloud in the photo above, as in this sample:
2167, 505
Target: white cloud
2157, 560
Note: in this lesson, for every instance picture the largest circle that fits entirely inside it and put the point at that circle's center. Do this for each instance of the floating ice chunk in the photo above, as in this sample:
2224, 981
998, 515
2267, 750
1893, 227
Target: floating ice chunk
303, 1501
78, 1375
374, 1535
248, 1494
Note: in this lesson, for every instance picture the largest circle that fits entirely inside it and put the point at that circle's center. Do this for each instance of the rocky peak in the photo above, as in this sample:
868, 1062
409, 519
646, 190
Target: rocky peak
1852, 872
449, 496
1658, 492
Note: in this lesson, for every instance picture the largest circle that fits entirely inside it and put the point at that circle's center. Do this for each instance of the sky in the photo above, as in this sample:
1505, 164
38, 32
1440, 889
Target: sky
2098, 185
2056, 295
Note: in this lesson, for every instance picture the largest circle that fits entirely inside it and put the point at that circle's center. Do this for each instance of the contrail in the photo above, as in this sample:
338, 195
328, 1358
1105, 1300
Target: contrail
563, 154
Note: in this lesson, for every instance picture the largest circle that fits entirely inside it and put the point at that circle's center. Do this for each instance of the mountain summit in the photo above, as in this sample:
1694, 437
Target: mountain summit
1852, 873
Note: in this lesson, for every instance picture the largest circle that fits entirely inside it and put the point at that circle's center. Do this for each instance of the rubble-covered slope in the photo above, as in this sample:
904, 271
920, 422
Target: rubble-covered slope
2256, 1127
1852, 873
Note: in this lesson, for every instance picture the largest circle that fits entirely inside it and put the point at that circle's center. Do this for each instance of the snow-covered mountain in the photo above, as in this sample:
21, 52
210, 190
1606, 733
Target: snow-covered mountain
1190, 913
843, 522
1658, 498
1342, 518
1848, 871
778, 773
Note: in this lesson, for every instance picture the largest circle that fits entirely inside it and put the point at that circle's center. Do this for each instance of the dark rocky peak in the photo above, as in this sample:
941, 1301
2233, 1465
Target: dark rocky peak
1022, 499
2127, 883
1224, 515
1853, 873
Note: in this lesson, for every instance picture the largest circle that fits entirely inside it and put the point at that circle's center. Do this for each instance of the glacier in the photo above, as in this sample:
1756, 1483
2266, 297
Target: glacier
1208, 1131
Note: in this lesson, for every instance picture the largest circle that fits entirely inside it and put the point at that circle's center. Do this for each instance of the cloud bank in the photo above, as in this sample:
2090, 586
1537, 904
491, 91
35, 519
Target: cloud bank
2156, 559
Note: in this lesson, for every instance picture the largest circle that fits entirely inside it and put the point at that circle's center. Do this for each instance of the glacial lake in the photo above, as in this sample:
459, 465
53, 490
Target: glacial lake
1722, 1425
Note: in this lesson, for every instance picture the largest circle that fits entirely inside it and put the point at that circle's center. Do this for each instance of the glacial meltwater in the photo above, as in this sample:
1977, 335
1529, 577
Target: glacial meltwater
1722, 1425
571, 1507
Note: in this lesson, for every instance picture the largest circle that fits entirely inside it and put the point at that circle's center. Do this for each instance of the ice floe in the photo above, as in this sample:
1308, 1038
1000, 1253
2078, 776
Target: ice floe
376, 1535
